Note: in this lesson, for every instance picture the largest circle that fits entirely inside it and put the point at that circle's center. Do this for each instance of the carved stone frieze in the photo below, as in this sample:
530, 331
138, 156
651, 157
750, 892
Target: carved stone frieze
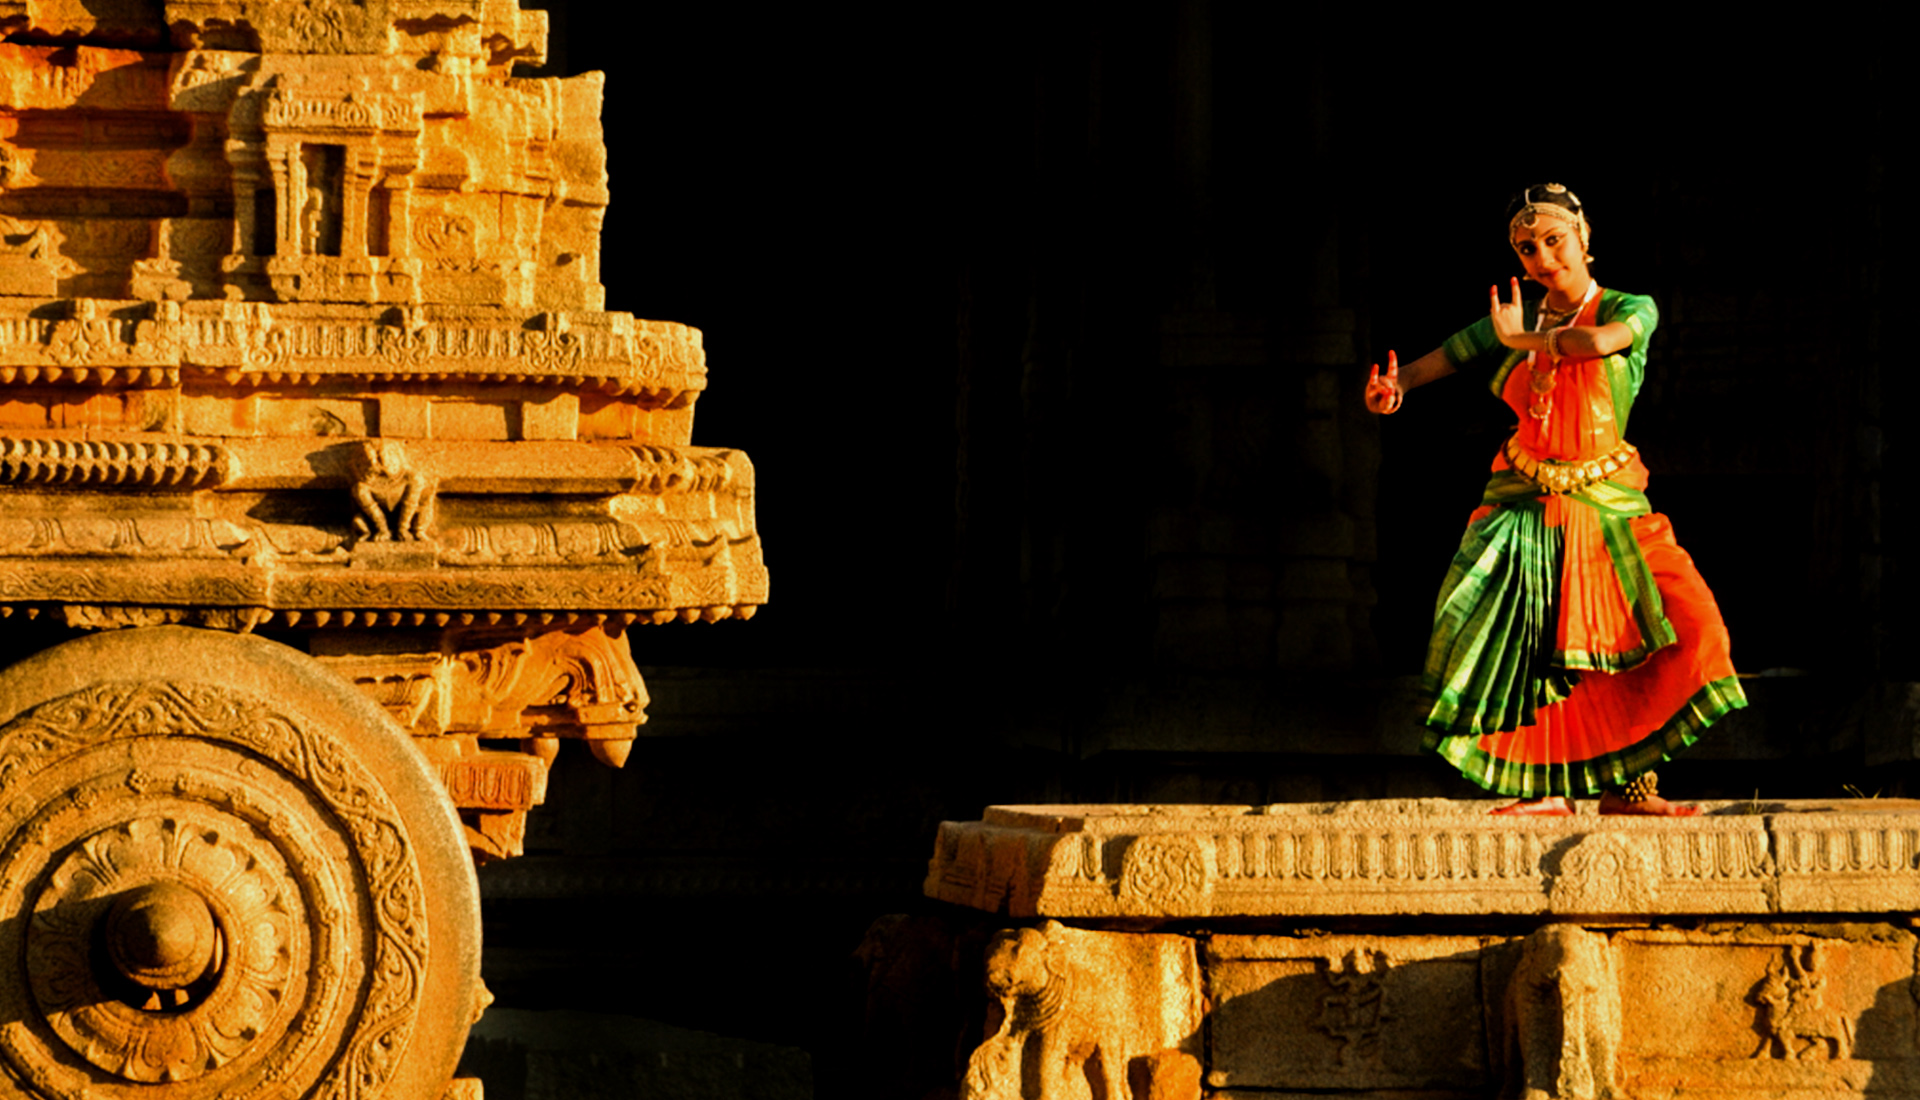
492, 789
1795, 1019
1736, 1008
538, 683
535, 685
1426, 857
653, 365
1165, 874
1606, 873
1819, 1007
1356, 1011
287, 109
1348, 1013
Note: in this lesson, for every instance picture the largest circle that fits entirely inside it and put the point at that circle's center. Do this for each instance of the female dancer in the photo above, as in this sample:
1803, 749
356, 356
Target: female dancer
1574, 645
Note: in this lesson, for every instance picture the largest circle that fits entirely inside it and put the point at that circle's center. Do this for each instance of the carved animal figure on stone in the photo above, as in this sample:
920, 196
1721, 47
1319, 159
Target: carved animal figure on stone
1058, 1037
1563, 1017
1794, 1019
395, 500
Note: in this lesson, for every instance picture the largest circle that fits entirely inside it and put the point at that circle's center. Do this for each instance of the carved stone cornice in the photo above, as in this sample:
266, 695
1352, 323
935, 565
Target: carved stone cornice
254, 344
1428, 857
378, 594
106, 464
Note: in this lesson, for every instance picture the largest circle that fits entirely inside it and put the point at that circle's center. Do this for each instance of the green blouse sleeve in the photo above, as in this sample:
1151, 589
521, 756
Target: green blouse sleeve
1627, 369
1637, 312
1475, 351
1465, 350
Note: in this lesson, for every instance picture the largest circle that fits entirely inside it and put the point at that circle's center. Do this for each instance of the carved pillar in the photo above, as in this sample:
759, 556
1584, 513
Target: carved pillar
363, 170
289, 183
250, 173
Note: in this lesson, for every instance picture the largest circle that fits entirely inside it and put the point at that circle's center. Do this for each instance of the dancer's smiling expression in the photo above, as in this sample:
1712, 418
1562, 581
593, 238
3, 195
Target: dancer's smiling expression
1552, 255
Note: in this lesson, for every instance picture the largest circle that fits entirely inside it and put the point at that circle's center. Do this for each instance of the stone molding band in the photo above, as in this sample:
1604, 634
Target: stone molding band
1428, 857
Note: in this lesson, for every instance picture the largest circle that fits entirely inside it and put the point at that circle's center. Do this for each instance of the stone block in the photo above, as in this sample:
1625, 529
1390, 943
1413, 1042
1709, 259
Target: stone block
1769, 1010
1347, 1013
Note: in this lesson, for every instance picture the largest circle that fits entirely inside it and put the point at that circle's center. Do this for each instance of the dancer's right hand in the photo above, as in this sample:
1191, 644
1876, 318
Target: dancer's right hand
1384, 394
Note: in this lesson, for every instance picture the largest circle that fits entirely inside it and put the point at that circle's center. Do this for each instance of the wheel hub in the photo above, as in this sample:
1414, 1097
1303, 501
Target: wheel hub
161, 936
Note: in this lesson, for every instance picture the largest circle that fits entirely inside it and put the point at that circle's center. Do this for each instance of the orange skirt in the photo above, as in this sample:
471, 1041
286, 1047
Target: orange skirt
1574, 648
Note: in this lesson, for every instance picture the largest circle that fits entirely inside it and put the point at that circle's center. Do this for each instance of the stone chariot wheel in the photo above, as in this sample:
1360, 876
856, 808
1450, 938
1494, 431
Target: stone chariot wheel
223, 873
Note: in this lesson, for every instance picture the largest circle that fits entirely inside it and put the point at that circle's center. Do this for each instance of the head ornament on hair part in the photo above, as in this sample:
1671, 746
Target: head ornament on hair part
1550, 200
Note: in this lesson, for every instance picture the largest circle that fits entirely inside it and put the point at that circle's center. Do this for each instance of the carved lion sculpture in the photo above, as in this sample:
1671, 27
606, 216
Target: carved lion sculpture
1563, 1017
1058, 1037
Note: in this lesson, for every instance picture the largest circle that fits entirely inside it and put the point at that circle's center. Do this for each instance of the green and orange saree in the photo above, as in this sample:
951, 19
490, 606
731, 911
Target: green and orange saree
1574, 644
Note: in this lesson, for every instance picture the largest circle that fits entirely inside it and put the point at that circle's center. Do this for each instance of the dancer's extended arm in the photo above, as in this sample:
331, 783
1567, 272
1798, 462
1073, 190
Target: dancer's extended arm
1385, 392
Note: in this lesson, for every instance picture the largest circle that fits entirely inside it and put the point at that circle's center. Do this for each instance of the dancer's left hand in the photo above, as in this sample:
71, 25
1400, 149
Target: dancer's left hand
1508, 322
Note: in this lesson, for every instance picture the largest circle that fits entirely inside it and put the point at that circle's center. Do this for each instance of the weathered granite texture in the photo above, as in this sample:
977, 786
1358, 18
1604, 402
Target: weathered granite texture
1429, 857
1122, 1012
302, 333
1755, 951
301, 330
1732, 1010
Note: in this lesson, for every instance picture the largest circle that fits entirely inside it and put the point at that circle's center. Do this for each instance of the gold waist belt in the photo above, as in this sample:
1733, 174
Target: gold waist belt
1567, 477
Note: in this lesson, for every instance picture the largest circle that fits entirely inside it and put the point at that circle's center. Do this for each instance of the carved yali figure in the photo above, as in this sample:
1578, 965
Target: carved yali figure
1056, 1036
223, 872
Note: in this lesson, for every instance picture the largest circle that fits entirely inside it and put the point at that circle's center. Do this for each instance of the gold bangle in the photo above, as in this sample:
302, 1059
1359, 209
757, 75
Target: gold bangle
1553, 340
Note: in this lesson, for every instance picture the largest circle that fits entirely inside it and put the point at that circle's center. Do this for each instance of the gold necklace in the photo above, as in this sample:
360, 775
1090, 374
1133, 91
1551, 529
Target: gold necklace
1542, 379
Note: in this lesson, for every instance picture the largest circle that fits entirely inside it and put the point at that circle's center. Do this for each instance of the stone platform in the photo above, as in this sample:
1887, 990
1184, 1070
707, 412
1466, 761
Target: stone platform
1421, 949
1429, 857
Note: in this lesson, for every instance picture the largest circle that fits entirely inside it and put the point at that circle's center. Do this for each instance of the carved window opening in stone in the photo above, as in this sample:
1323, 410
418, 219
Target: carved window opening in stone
264, 213
379, 215
323, 169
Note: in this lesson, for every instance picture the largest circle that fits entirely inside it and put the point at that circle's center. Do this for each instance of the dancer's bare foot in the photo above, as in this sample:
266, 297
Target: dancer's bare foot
1653, 806
1550, 806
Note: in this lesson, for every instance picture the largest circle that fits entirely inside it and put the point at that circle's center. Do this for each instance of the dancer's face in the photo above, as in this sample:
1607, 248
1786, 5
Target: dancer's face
1550, 251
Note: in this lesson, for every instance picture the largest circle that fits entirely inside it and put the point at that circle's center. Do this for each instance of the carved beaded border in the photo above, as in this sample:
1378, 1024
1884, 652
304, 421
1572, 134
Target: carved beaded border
315, 760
